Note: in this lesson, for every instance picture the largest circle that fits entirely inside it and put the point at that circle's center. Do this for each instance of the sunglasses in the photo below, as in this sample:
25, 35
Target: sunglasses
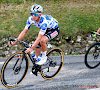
35, 14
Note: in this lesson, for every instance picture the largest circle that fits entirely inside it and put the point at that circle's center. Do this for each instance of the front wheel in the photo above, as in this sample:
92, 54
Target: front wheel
14, 69
55, 60
92, 56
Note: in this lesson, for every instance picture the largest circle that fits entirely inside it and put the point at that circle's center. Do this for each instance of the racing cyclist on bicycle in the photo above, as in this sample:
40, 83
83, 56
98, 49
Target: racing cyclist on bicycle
94, 35
48, 30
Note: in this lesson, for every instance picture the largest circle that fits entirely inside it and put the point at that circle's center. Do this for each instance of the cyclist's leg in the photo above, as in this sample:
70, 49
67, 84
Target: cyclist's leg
42, 46
43, 42
49, 35
38, 50
42, 59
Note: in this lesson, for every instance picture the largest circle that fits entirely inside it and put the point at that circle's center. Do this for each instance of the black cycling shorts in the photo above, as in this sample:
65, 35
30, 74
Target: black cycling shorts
51, 34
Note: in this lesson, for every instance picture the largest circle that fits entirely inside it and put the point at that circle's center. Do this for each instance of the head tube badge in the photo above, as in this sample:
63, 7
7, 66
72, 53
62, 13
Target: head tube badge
19, 57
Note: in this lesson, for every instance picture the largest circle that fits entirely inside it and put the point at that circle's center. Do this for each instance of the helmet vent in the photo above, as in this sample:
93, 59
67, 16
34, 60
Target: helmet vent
34, 7
37, 7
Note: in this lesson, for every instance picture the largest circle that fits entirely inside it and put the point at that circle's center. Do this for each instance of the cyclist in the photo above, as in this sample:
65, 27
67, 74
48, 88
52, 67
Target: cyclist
94, 35
48, 30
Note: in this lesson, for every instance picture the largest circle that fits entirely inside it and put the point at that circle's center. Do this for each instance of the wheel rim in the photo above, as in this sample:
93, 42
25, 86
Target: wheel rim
12, 77
57, 57
92, 57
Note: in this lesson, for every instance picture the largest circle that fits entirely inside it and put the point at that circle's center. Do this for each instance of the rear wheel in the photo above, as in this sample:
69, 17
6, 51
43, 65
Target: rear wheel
54, 63
14, 69
92, 56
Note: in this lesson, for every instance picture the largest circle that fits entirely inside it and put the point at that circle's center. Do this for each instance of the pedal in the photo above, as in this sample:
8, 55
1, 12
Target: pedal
34, 70
35, 73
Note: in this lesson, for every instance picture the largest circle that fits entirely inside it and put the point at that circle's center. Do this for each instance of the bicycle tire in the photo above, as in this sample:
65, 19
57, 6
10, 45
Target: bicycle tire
11, 79
92, 53
53, 53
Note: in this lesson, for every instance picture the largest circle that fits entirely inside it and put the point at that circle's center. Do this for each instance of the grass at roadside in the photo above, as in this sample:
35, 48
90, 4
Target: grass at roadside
74, 16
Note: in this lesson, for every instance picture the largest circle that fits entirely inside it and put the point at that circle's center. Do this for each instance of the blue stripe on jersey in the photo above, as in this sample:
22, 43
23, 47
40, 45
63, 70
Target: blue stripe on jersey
41, 20
44, 26
39, 25
28, 21
29, 27
56, 26
51, 23
48, 17
31, 19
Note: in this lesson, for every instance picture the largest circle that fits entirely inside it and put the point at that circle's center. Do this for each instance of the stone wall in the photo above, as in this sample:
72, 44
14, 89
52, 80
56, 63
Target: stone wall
77, 46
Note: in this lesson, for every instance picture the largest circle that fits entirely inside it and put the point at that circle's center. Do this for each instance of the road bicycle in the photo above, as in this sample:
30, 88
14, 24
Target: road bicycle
92, 56
16, 66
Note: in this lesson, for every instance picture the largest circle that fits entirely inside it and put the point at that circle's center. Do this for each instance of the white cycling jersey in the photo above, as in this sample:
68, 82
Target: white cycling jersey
46, 21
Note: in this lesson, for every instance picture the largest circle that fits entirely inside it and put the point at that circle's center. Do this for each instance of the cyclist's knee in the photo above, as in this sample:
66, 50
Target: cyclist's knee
44, 40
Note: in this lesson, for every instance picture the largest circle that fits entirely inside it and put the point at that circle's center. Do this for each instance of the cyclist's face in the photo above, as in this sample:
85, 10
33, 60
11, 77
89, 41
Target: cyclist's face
35, 16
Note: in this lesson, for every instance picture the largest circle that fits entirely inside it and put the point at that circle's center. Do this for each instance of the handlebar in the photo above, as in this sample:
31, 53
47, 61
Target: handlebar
19, 41
95, 33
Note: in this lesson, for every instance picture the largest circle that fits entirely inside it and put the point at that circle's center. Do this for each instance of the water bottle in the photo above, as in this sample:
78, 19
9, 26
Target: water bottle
33, 56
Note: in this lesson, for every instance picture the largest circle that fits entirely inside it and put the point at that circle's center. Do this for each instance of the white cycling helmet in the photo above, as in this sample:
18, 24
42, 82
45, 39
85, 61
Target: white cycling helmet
36, 8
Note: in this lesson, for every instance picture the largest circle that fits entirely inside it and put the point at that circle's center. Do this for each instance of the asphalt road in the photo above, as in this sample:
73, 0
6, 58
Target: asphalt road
73, 76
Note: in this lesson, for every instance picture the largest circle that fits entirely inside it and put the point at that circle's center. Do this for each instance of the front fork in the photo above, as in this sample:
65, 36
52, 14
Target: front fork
17, 69
96, 52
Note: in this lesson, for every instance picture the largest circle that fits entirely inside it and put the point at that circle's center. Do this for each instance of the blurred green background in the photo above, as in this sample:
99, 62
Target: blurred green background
75, 17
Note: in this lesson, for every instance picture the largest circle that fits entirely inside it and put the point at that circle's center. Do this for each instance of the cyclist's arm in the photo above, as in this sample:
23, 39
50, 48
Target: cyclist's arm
21, 36
98, 30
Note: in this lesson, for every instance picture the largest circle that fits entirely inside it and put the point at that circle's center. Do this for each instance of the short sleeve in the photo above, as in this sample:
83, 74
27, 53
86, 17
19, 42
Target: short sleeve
28, 24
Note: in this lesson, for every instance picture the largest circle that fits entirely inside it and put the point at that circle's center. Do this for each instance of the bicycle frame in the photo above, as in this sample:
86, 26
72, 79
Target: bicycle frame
35, 66
21, 61
32, 59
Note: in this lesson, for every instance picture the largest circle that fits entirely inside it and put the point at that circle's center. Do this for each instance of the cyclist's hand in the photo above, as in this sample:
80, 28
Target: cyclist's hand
12, 43
29, 50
